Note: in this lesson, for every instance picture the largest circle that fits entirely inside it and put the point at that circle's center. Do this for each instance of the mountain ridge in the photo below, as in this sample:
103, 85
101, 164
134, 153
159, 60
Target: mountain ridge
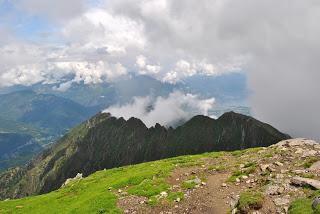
107, 142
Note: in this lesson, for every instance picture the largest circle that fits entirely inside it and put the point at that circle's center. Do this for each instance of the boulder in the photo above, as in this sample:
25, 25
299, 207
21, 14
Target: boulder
299, 181
315, 166
69, 180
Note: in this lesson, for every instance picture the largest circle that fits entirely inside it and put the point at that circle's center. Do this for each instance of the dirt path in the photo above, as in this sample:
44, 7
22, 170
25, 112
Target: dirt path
211, 198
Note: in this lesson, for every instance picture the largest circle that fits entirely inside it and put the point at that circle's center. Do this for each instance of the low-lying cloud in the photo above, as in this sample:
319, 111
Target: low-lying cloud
167, 111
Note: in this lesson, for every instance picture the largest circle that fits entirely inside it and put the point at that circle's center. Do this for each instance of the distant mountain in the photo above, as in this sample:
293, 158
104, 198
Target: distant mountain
44, 111
16, 149
102, 95
227, 89
106, 142
27, 116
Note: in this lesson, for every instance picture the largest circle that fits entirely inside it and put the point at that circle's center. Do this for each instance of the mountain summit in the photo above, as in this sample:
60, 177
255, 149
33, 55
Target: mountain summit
106, 142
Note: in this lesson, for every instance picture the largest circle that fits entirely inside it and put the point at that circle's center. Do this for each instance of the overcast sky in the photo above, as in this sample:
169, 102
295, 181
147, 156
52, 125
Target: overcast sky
276, 43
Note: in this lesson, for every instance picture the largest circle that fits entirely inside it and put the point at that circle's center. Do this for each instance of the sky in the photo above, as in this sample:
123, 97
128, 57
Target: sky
275, 43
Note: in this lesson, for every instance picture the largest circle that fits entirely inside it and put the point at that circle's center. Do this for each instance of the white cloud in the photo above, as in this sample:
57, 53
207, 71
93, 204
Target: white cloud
167, 111
98, 29
185, 69
92, 73
145, 68
276, 42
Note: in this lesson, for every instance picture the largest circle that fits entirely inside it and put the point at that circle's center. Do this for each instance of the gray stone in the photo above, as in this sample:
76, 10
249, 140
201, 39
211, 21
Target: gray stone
299, 181
281, 201
315, 166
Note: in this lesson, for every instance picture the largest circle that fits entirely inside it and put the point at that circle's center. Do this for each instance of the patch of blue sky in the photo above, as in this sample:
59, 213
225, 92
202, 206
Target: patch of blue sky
25, 26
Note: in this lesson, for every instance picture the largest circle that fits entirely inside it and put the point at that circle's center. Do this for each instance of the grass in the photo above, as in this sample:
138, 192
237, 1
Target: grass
188, 184
91, 194
173, 196
308, 163
249, 168
303, 205
149, 188
236, 174
250, 199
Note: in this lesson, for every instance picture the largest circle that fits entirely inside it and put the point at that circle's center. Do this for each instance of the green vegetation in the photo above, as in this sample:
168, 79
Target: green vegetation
303, 205
249, 168
217, 168
308, 163
236, 174
250, 199
237, 153
149, 187
188, 184
173, 196
91, 194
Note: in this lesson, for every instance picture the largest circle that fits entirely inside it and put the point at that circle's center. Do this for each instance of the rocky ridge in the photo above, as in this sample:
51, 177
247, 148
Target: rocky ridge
107, 142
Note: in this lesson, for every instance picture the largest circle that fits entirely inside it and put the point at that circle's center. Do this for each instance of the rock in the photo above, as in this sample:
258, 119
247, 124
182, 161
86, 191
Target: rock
299, 181
299, 151
163, 194
234, 201
279, 176
315, 166
264, 167
237, 180
281, 190
178, 200
224, 185
197, 180
234, 211
274, 190
299, 171
309, 153
203, 183
241, 166
278, 163
271, 169
244, 177
295, 142
119, 191
281, 201
77, 177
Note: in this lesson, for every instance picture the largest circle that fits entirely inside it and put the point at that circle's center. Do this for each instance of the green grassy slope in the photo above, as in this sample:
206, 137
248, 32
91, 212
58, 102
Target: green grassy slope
91, 195
98, 193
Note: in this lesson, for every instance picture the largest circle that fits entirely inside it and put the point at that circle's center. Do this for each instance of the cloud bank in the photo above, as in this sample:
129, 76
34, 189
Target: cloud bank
275, 42
167, 111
